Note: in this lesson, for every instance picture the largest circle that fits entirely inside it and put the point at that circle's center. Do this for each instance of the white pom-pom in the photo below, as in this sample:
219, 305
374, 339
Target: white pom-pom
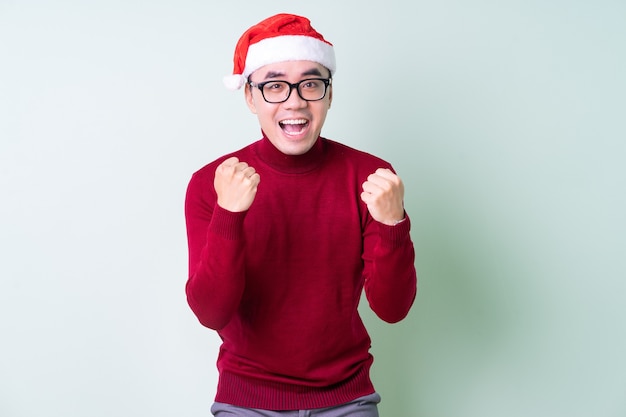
234, 81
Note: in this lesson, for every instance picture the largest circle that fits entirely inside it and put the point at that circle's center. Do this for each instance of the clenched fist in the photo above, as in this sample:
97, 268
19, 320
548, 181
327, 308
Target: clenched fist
383, 192
235, 184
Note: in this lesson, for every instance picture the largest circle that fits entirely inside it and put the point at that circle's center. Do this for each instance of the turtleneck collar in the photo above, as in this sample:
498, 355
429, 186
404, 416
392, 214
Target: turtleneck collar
290, 164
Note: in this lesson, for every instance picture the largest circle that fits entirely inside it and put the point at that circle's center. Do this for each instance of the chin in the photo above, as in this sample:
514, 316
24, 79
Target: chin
289, 146
294, 150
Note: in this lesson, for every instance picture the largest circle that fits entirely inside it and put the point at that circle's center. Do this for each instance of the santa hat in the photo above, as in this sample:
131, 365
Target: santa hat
283, 37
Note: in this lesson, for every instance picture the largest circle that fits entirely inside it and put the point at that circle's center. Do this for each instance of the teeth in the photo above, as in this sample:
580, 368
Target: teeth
294, 122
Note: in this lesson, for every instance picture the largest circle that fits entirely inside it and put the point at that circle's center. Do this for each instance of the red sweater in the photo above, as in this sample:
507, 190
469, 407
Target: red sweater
281, 282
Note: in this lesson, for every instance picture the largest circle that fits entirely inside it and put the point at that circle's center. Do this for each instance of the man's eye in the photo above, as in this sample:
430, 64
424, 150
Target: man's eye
274, 86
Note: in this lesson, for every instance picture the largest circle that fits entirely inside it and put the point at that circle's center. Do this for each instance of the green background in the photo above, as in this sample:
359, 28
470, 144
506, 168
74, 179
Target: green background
505, 120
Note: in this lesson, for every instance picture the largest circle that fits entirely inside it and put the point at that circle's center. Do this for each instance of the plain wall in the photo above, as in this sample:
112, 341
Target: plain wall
505, 120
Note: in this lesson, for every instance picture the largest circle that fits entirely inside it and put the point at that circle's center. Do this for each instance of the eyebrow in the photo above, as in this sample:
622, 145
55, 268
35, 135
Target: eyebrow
278, 74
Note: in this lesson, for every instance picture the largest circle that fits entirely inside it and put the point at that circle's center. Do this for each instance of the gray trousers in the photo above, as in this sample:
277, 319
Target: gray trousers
361, 407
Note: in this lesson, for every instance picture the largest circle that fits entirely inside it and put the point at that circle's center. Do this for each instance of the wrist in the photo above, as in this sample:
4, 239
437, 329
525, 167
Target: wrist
392, 222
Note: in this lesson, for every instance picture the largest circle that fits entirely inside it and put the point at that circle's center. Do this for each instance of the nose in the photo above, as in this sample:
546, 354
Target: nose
294, 101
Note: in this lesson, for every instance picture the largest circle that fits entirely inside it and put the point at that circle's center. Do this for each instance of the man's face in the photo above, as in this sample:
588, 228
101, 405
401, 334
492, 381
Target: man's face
292, 126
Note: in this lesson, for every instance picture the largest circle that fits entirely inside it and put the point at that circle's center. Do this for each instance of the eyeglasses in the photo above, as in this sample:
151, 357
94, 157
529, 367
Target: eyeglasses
311, 89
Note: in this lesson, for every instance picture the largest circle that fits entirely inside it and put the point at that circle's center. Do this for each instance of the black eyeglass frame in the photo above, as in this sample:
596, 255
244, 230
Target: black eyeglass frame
326, 81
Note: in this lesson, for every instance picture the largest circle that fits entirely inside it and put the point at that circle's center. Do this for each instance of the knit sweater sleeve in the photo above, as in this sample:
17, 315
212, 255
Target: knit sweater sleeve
390, 276
216, 255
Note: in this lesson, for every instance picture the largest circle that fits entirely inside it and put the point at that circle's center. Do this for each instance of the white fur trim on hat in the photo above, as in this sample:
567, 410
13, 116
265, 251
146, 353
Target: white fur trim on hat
289, 48
281, 49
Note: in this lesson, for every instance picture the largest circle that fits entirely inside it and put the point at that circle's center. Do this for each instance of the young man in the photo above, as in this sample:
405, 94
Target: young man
285, 233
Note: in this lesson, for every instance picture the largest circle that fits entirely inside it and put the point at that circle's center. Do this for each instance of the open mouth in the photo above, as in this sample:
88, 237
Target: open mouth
293, 126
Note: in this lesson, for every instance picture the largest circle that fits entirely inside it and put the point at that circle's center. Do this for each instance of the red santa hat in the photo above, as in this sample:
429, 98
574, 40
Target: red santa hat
283, 37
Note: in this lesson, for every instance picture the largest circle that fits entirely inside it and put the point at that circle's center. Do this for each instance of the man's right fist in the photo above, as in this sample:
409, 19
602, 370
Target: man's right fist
235, 184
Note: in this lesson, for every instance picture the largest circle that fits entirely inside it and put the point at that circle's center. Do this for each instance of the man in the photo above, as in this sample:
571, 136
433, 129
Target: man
285, 233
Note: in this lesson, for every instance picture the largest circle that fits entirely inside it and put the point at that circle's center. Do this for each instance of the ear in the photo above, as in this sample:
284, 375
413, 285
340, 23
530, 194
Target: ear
330, 96
249, 98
